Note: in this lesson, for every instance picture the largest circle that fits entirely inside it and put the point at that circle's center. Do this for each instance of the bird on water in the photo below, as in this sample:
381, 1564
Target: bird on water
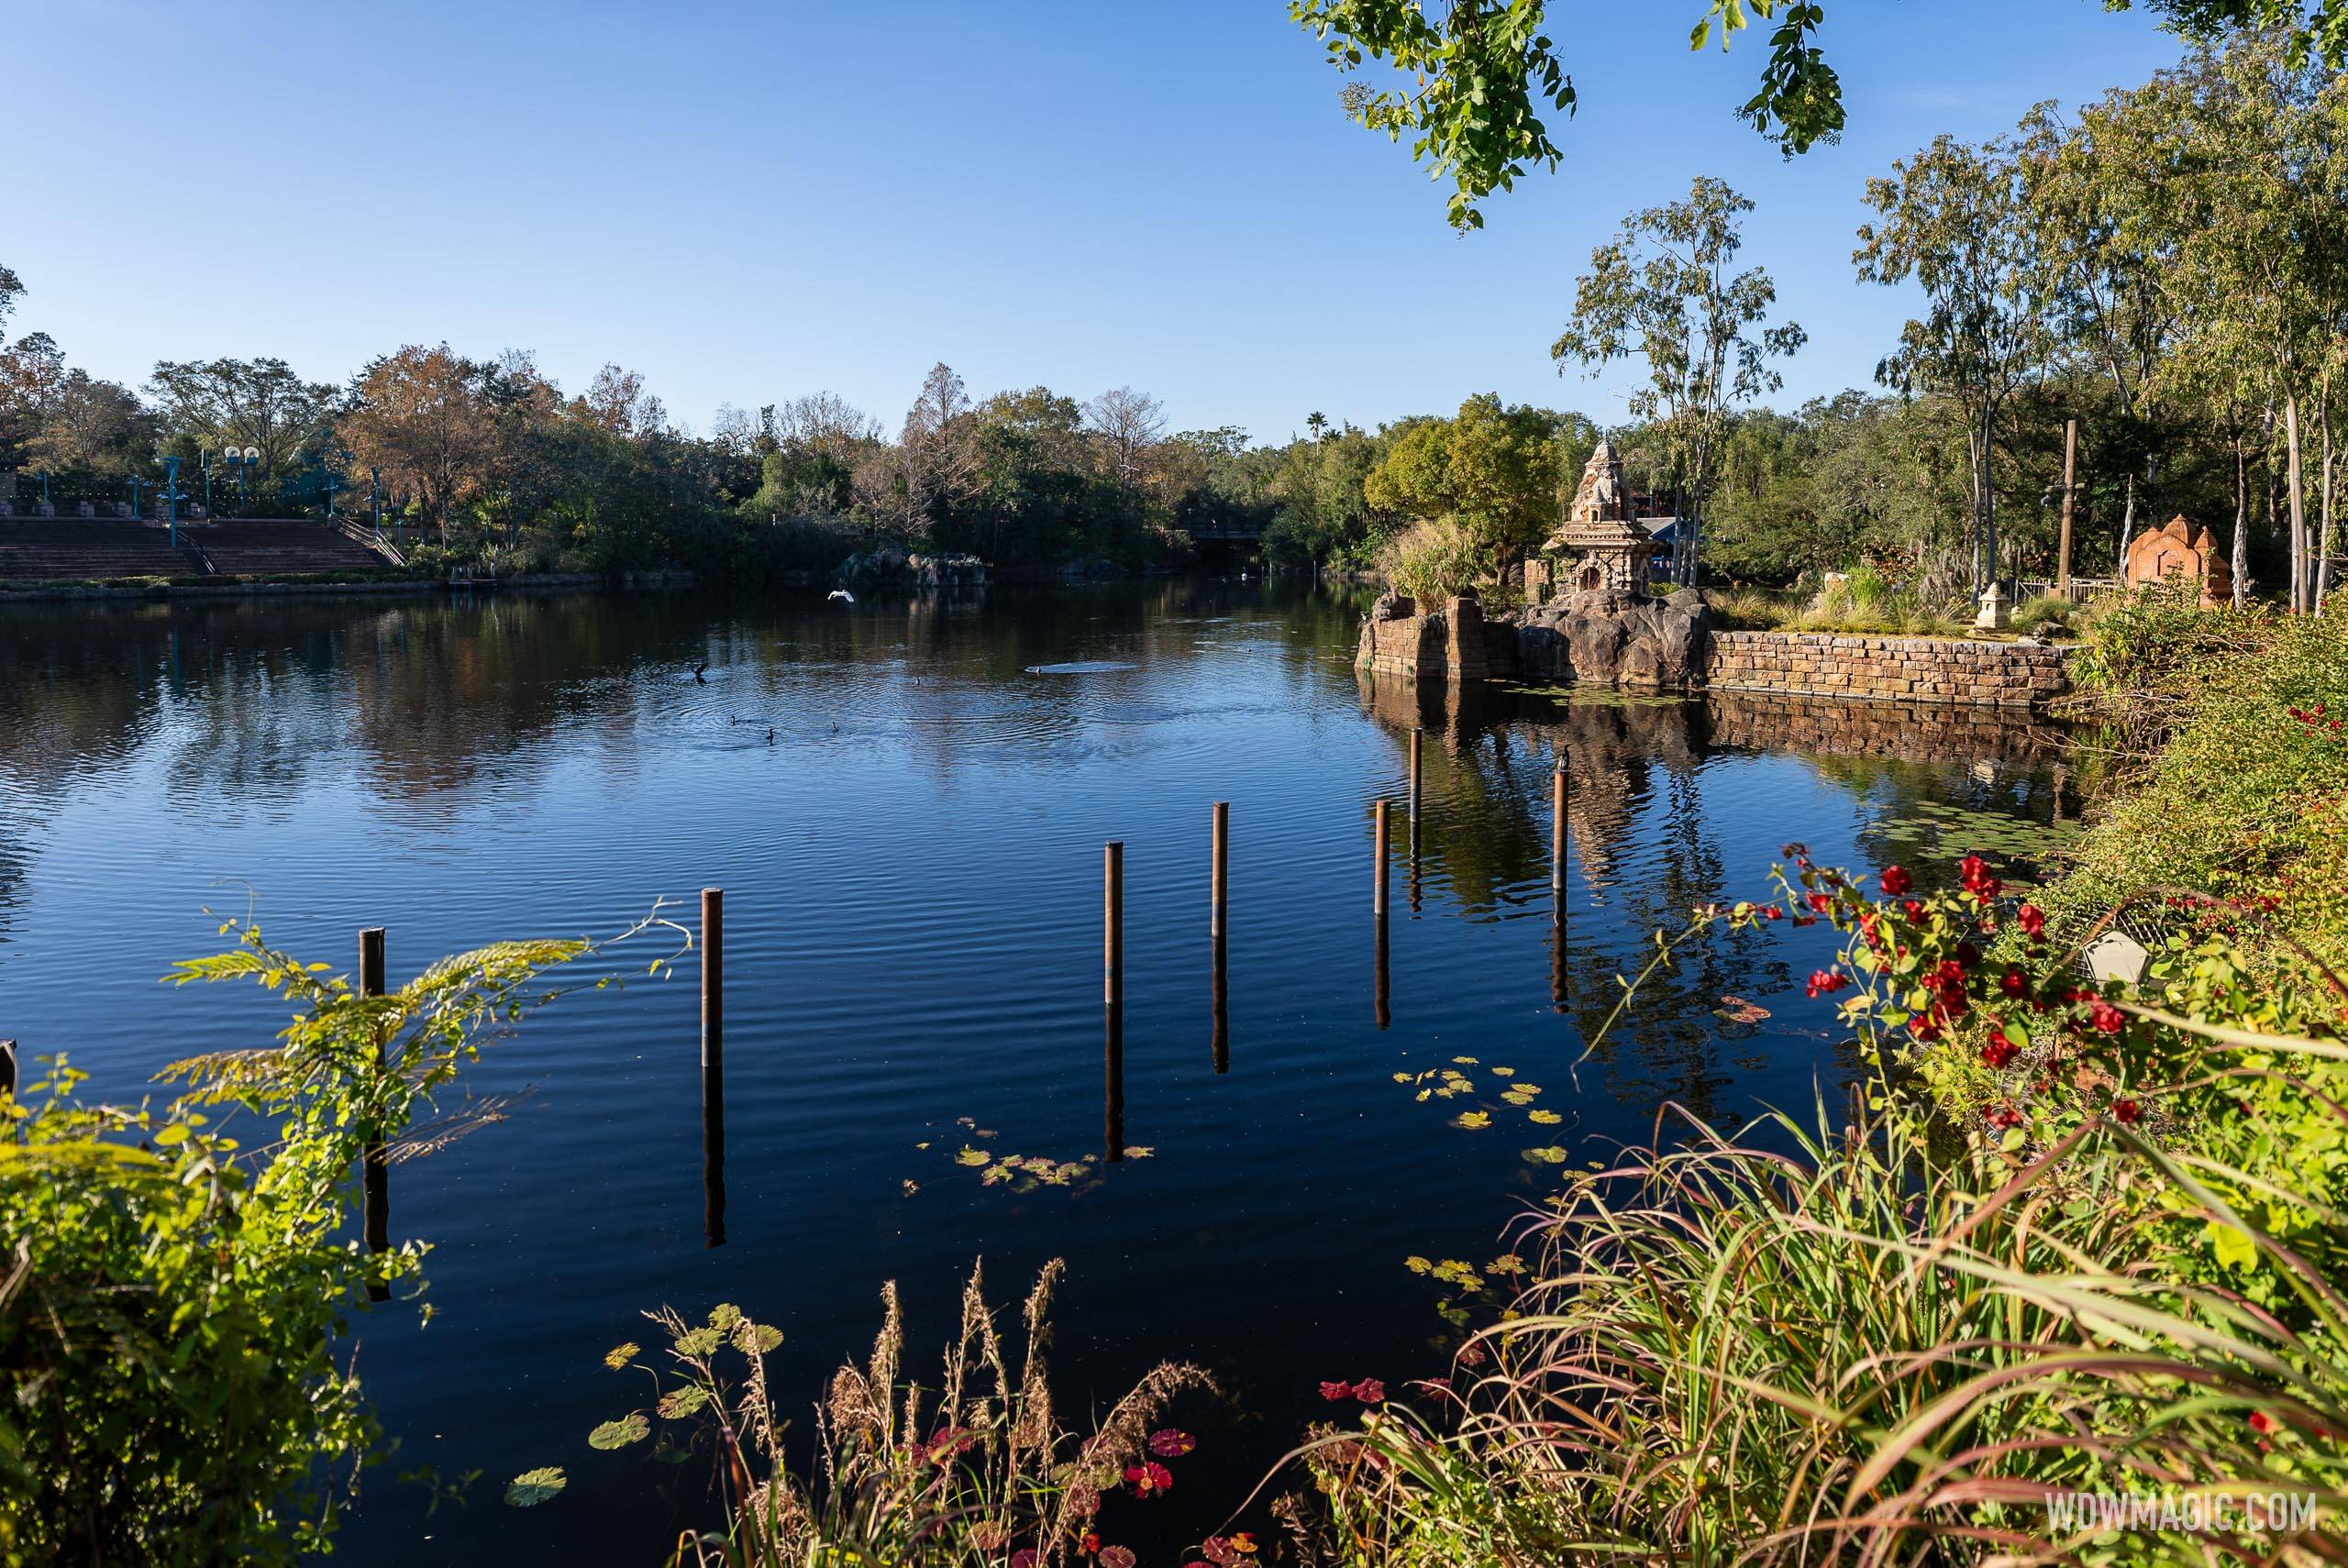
699, 678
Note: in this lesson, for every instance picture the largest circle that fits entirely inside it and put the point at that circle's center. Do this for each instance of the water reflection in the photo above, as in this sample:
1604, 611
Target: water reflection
1643, 844
914, 870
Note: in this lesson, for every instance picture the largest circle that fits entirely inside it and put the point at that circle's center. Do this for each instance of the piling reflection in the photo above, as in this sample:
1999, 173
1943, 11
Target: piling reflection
1620, 841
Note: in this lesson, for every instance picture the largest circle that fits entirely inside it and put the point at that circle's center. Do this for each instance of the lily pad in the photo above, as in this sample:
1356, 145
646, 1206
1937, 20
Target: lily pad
630, 1428
678, 1403
532, 1487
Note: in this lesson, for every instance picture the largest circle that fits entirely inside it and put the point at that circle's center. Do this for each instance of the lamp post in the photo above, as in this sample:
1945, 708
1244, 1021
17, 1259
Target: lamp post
44, 491
240, 461
331, 487
134, 493
205, 459
375, 486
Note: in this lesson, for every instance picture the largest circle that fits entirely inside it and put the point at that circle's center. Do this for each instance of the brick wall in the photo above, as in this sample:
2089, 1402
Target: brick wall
1915, 669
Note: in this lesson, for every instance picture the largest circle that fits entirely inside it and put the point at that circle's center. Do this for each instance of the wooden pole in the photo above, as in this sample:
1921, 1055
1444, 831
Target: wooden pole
712, 977
2070, 490
1219, 871
1378, 864
1113, 922
1416, 735
375, 1165
8, 1069
1557, 839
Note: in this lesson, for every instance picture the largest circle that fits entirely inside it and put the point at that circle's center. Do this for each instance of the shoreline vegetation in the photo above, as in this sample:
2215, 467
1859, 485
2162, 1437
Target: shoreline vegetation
2067, 1236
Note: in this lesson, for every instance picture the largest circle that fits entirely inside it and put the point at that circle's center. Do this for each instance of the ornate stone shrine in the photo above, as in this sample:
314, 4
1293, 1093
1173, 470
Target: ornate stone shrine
2178, 549
1601, 545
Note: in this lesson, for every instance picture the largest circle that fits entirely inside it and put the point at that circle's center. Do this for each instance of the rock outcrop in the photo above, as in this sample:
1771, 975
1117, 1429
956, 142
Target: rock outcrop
1606, 638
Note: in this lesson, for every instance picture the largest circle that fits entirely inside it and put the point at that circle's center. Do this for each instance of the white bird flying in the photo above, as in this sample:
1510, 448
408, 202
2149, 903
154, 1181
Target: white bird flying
842, 594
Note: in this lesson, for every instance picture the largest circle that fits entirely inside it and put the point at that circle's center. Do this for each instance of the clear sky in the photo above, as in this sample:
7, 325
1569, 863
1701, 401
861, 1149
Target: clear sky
749, 202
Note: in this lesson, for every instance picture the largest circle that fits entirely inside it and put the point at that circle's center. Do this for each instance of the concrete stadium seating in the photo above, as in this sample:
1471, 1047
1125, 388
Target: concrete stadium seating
81, 548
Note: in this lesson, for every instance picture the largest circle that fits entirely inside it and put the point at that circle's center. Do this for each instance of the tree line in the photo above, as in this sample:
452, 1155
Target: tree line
2168, 267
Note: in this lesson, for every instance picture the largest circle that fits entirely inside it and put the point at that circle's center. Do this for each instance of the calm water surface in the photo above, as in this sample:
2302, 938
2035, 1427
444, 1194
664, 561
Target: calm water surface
912, 867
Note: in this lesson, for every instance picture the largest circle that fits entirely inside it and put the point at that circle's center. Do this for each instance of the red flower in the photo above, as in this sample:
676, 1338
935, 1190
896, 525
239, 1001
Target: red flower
1978, 879
2005, 1115
1149, 1478
2108, 1019
2011, 982
1826, 982
1913, 909
1821, 902
1090, 1544
2000, 1050
2260, 1422
1895, 881
2127, 1112
1171, 1444
1370, 1391
1332, 1392
2031, 919
1771, 911
1926, 1028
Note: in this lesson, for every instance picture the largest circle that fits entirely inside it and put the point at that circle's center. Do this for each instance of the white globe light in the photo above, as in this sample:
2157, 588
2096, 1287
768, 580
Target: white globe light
228, 454
252, 454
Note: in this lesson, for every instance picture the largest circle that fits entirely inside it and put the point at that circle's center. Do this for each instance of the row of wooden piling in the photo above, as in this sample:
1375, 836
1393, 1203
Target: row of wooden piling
375, 1160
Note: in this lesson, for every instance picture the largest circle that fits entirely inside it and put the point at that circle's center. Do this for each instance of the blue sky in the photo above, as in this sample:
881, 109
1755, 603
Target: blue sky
749, 202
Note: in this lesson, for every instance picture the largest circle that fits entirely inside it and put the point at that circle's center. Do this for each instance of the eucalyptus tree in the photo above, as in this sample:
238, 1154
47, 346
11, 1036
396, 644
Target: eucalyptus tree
1663, 289
1957, 220
2244, 166
2113, 247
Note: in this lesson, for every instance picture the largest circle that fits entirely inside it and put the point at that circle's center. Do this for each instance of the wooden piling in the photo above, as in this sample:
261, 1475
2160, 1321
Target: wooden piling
2070, 490
1113, 922
375, 1164
1378, 862
713, 977
1219, 870
8, 1069
1557, 838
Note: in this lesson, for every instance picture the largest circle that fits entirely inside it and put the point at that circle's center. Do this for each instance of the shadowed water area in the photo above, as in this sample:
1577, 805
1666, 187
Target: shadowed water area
912, 867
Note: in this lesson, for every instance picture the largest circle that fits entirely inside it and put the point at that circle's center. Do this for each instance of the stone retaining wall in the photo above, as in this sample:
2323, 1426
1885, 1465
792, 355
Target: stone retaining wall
1914, 669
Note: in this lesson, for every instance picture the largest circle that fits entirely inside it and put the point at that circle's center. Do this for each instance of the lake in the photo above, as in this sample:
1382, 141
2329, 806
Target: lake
905, 804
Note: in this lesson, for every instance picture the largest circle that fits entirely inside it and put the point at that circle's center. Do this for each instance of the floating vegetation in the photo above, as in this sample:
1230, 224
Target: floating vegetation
1450, 1083
1582, 696
1022, 1173
1939, 829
